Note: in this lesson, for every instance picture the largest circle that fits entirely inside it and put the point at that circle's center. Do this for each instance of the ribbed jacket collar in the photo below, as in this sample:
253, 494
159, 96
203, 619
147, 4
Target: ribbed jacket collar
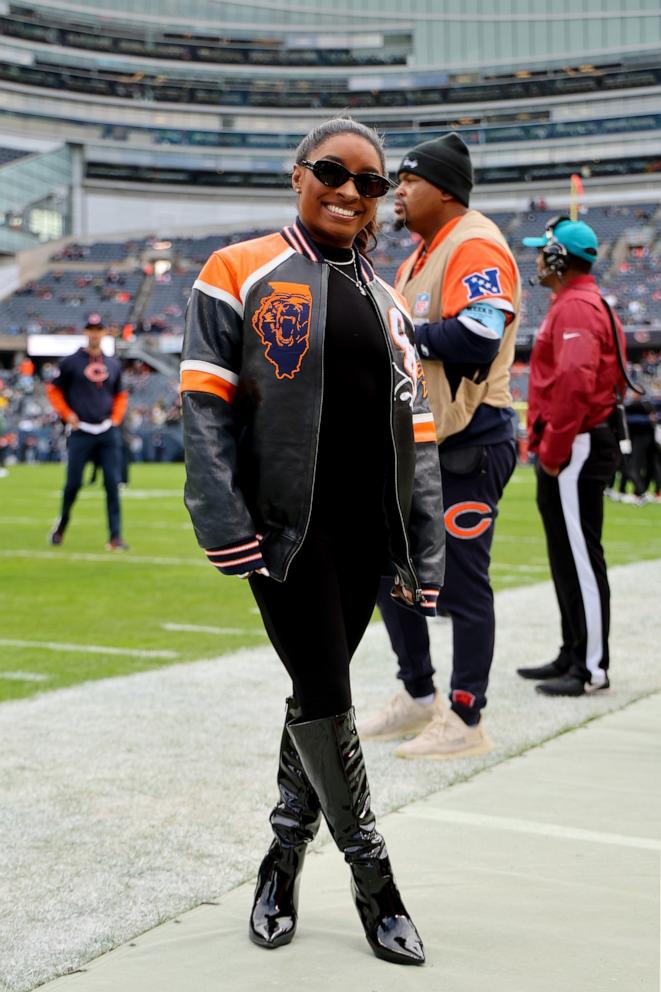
298, 238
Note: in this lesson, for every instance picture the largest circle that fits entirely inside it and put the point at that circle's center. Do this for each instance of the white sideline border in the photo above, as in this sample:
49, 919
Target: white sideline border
108, 557
165, 654
192, 628
518, 826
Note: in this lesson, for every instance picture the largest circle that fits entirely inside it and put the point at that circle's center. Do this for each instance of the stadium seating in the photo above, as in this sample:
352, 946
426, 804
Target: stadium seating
11, 155
122, 273
119, 281
60, 301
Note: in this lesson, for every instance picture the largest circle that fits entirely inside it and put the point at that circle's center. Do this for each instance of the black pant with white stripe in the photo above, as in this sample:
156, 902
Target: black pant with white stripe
572, 510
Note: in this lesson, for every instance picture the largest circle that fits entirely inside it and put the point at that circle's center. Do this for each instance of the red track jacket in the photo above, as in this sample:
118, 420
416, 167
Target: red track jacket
573, 371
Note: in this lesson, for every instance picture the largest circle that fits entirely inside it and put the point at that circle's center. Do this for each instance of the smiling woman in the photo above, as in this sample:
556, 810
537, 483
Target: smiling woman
339, 192
311, 463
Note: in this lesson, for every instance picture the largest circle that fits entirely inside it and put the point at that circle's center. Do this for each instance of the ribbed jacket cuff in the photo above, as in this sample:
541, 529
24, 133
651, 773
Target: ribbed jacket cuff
236, 559
427, 605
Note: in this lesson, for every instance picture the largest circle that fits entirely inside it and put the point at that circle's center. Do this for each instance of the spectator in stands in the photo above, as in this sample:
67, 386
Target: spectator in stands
87, 394
286, 490
574, 375
463, 287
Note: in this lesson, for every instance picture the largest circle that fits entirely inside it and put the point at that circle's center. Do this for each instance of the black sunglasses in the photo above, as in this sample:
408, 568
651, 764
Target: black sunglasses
334, 175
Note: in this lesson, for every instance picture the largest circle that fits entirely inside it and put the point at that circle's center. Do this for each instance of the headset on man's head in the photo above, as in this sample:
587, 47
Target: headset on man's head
555, 255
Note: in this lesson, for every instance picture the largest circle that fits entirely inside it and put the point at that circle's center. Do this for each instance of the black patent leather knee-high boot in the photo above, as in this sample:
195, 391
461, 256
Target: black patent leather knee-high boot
331, 755
295, 820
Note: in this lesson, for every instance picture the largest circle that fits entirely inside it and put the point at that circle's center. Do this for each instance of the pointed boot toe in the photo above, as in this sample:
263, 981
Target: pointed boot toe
389, 929
270, 931
275, 908
396, 939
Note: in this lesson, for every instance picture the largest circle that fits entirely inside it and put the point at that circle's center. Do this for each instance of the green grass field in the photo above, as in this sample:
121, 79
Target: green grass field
78, 612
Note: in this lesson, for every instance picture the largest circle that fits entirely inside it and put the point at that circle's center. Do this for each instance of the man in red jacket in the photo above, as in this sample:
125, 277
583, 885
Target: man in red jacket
574, 375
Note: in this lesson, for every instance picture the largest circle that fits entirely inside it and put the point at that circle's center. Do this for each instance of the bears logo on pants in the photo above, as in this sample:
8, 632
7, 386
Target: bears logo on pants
471, 509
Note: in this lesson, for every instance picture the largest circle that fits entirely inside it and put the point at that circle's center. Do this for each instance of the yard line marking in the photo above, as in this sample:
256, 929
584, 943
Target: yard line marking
87, 648
519, 568
24, 520
108, 557
192, 628
24, 676
92, 521
100, 493
529, 827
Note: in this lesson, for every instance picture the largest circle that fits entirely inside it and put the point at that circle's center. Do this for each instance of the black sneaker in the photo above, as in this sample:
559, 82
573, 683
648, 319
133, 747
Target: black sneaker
543, 672
56, 536
570, 685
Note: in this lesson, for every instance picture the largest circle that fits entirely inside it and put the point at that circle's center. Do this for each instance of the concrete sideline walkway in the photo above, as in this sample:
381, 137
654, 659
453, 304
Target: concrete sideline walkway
541, 873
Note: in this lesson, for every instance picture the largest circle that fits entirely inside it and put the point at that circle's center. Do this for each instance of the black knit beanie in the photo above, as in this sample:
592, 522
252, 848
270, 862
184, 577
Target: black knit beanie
445, 163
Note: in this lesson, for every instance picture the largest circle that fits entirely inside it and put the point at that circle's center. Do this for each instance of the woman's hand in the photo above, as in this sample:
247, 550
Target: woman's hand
425, 605
401, 594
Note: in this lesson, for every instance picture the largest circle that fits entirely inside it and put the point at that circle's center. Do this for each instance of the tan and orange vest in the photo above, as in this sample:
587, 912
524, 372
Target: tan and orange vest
451, 416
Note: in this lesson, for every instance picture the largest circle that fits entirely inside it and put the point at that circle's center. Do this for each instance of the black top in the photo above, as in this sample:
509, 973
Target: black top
89, 384
354, 441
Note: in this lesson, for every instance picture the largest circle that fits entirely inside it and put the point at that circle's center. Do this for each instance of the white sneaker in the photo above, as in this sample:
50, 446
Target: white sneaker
633, 500
447, 736
400, 717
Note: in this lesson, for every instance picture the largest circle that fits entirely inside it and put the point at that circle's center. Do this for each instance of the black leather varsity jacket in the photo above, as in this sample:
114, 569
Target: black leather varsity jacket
252, 382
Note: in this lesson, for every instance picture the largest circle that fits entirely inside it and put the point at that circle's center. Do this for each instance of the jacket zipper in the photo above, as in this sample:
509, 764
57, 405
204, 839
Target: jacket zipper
417, 592
324, 279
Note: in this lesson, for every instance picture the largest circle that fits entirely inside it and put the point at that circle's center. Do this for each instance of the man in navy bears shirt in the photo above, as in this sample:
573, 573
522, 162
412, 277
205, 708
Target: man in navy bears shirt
87, 394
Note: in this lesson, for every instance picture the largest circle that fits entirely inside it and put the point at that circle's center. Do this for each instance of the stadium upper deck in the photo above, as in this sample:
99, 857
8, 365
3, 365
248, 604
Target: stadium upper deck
212, 96
461, 34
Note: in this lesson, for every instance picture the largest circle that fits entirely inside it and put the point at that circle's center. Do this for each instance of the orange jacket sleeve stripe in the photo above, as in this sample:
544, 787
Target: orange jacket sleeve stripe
58, 402
206, 382
424, 428
119, 404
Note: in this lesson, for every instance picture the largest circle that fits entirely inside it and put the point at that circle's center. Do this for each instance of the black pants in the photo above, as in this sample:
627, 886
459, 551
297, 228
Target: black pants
471, 507
317, 617
639, 462
572, 510
103, 449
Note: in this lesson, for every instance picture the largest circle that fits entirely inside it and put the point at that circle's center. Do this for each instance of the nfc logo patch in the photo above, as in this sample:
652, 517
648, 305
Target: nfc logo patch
468, 520
486, 283
282, 321
422, 305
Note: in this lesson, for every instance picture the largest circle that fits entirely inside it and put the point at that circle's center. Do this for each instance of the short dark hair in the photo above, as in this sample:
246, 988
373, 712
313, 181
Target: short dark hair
581, 264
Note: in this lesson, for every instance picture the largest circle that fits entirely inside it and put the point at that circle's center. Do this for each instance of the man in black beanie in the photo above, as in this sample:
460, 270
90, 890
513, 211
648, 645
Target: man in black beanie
462, 285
